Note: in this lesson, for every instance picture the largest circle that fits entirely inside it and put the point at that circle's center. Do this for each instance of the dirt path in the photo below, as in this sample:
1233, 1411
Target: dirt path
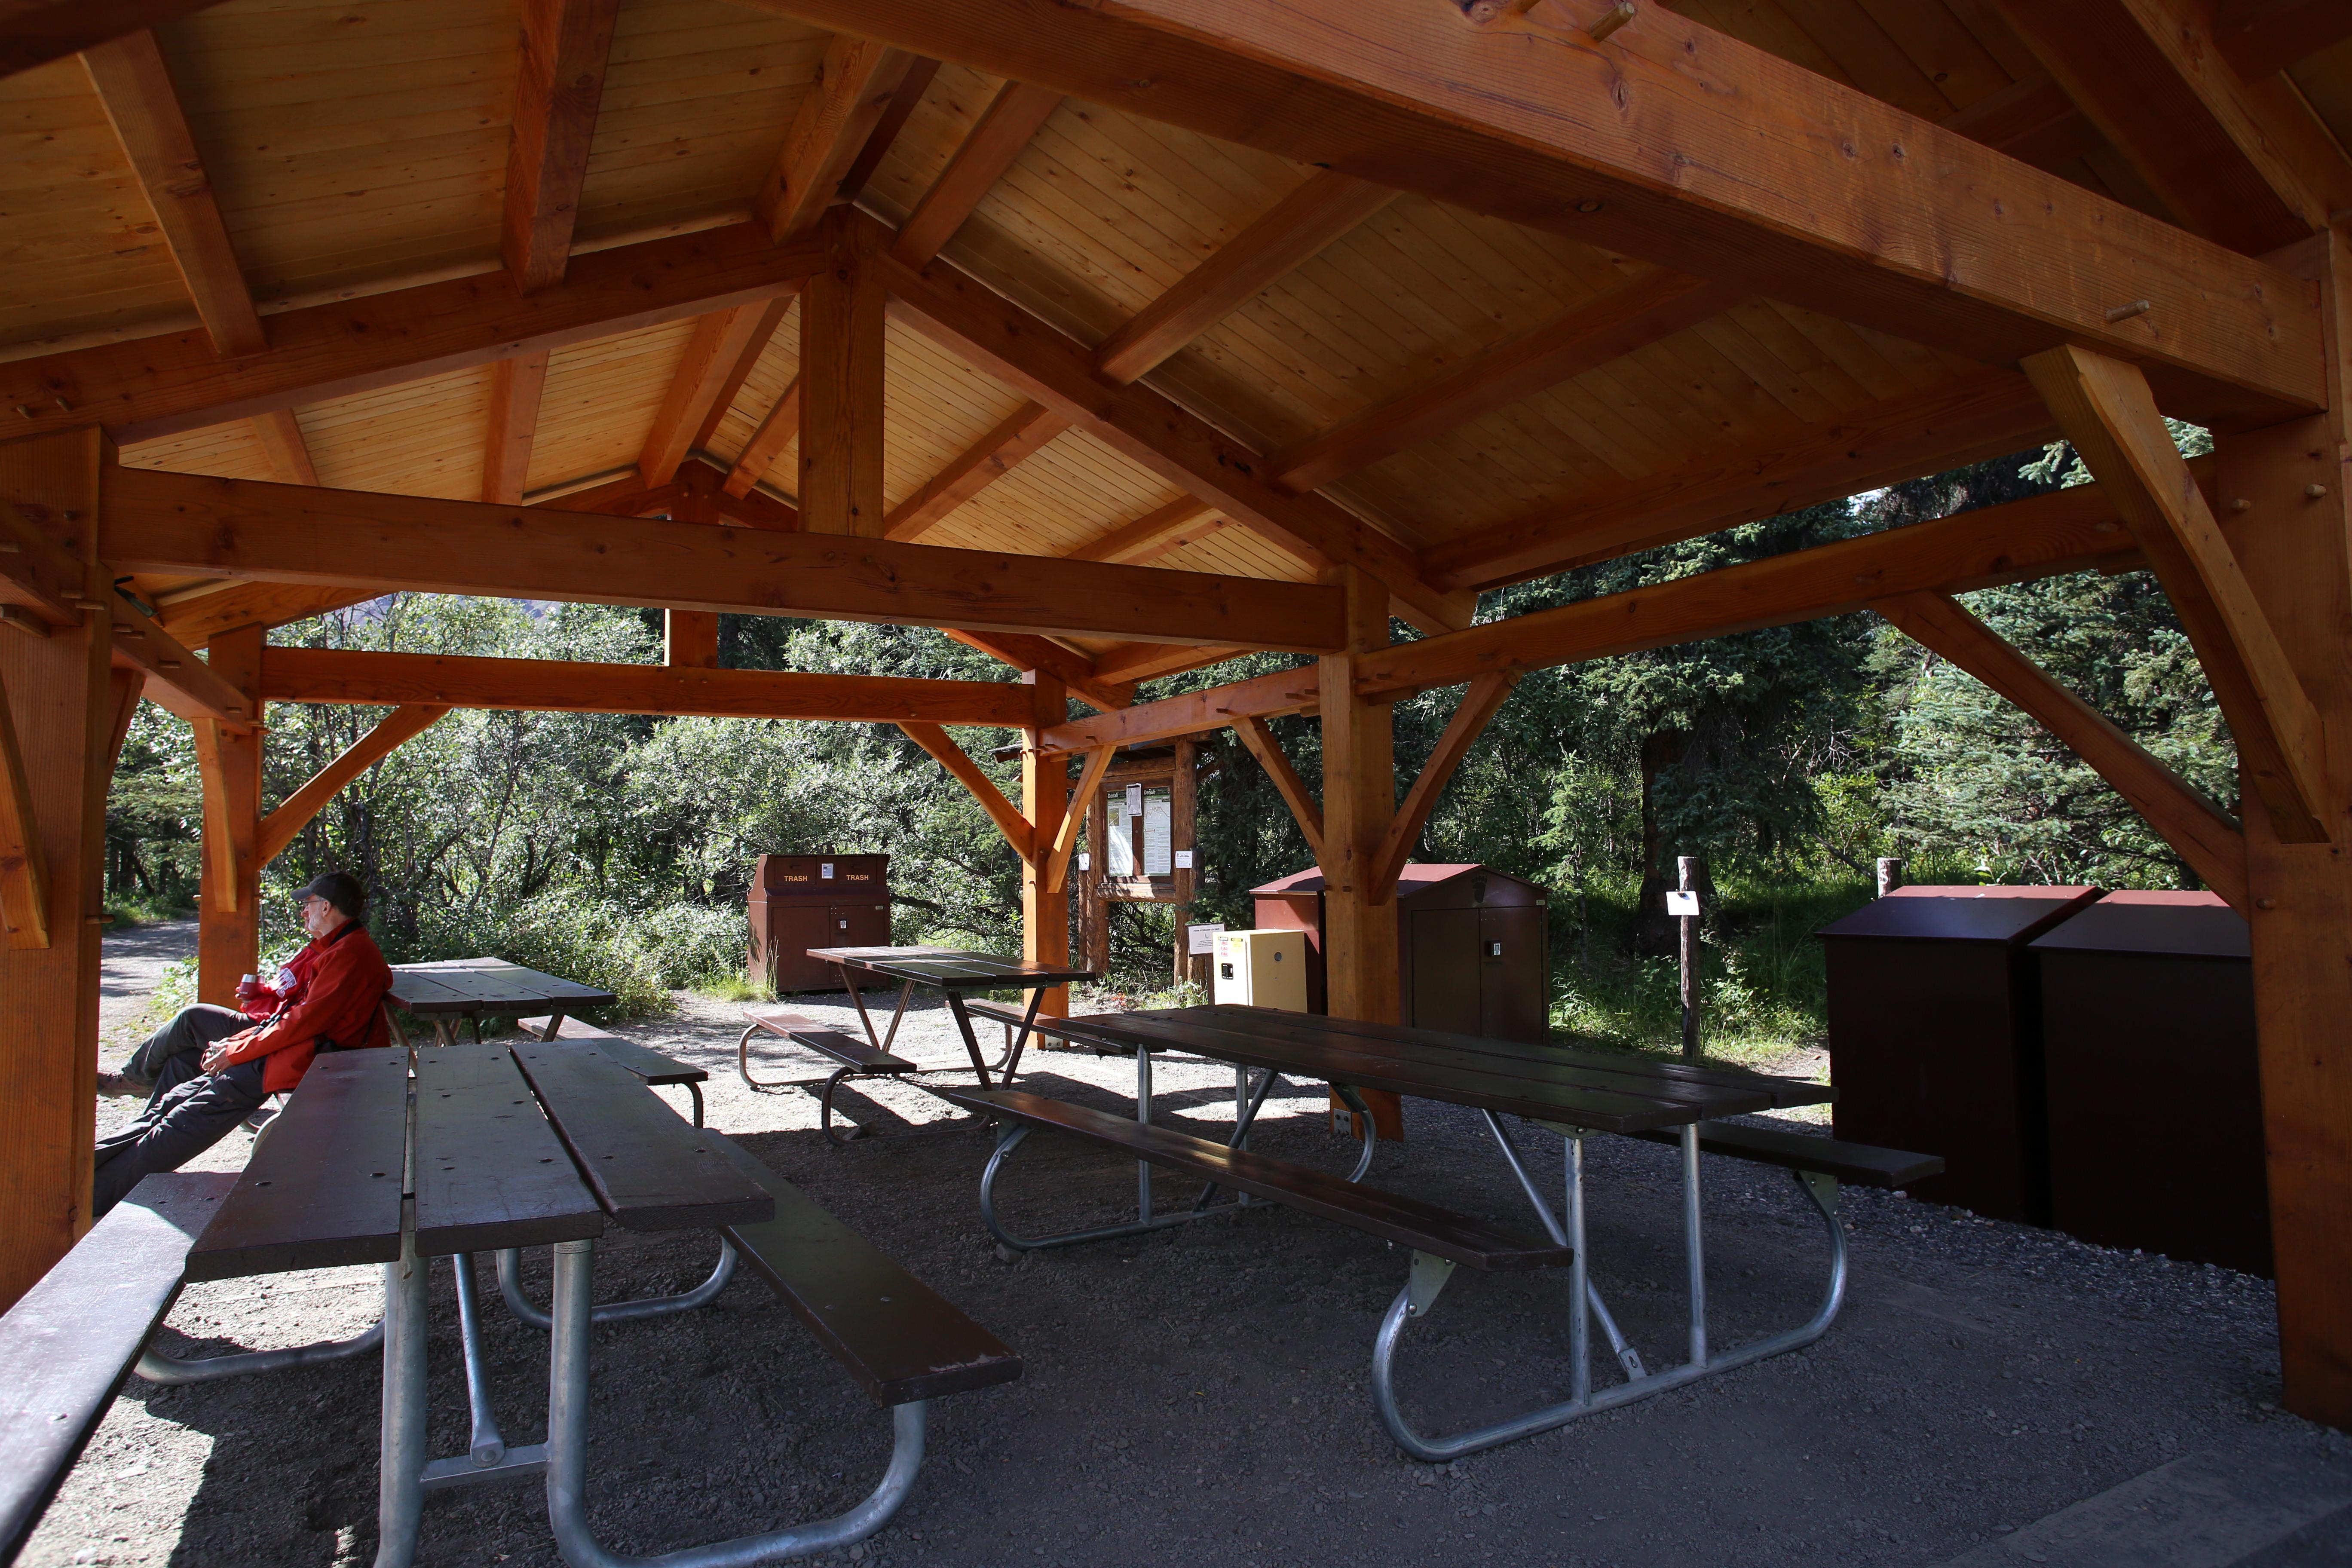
134, 962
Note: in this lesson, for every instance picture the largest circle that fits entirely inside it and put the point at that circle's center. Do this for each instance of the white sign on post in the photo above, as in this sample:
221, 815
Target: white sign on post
1201, 940
1682, 905
1183, 859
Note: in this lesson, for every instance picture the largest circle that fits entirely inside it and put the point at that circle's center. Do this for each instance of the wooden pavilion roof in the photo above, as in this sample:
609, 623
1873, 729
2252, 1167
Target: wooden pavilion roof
1500, 399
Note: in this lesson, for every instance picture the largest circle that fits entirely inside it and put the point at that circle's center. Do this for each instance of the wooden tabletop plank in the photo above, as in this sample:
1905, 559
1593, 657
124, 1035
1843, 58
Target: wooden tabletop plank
324, 1188
951, 967
487, 984
647, 1166
490, 1172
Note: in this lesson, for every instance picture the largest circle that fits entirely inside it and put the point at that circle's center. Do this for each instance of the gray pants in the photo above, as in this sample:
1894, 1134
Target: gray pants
190, 1110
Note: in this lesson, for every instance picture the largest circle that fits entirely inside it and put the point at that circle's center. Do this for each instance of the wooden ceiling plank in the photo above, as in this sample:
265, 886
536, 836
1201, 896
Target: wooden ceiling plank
2147, 75
145, 389
199, 619
202, 527
1840, 208
1618, 322
2199, 830
2262, 38
852, 90
135, 87
1008, 343
559, 88
516, 386
556, 686
1292, 232
35, 32
721, 341
1023, 432
1983, 416
996, 138
2108, 413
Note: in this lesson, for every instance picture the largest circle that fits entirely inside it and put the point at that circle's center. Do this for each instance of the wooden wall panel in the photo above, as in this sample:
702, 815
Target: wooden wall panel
79, 250
697, 96
351, 144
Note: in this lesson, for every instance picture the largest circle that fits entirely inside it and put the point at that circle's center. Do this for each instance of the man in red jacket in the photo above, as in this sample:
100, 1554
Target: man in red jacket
209, 1073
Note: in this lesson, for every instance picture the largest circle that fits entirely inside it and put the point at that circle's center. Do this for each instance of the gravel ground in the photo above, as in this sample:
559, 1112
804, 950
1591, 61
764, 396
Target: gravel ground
1201, 1393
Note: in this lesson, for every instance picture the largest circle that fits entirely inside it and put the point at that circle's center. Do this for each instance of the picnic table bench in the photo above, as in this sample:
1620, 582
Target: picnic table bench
1572, 1092
649, 1065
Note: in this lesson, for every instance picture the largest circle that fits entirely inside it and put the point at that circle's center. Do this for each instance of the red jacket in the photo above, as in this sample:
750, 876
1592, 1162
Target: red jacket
337, 995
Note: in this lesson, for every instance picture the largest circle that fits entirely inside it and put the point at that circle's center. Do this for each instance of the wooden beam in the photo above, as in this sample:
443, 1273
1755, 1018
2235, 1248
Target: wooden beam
198, 619
2199, 831
559, 87
996, 138
1842, 207
141, 102
1292, 232
43, 569
756, 509
1304, 809
852, 88
1146, 661
1980, 415
166, 385
176, 679
35, 32
1265, 696
1065, 832
841, 389
689, 639
904, 101
1073, 671
1023, 432
1045, 802
389, 733
714, 355
2149, 74
197, 526
1479, 705
1148, 535
2110, 416
1001, 811
2262, 38
1029, 354
778, 430
516, 386
24, 858
1628, 318
558, 686
763, 332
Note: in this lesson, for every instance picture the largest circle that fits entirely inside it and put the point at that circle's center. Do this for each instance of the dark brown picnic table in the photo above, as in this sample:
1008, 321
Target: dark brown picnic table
474, 989
954, 972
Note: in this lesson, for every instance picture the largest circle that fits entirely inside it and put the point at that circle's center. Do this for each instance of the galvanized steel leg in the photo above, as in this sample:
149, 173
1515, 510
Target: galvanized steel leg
696, 1090
1694, 1247
1627, 1357
487, 1446
400, 1495
1580, 1282
702, 1295
1363, 1115
1009, 1138
172, 1371
1143, 1114
567, 1456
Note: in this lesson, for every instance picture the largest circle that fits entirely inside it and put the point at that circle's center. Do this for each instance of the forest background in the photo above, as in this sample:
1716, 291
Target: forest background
618, 849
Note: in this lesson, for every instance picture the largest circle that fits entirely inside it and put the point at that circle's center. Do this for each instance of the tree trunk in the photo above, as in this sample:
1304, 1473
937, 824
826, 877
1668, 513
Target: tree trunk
1653, 934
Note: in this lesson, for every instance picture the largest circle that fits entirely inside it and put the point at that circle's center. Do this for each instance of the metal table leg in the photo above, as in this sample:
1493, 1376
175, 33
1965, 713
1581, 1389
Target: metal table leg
971, 1042
702, 1295
400, 1493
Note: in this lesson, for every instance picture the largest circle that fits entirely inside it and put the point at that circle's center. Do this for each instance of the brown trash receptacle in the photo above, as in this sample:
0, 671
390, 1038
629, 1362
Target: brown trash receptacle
2153, 1087
801, 902
1936, 1037
1472, 954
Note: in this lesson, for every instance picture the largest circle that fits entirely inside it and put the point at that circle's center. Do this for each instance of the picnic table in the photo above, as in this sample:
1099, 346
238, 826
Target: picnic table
542, 1143
1573, 1092
955, 972
448, 989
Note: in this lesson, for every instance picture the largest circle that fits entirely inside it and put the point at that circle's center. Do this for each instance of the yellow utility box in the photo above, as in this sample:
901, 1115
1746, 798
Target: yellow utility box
1263, 969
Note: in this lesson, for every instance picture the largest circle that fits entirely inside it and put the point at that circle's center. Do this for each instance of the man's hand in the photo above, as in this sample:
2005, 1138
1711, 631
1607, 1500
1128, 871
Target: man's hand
249, 992
213, 1057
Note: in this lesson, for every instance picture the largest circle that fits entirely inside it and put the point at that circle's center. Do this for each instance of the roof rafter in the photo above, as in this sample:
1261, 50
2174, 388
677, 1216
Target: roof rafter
35, 32
1025, 431
559, 87
2149, 74
141, 102
854, 89
516, 386
715, 355
1527, 119
2262, 38
995, 140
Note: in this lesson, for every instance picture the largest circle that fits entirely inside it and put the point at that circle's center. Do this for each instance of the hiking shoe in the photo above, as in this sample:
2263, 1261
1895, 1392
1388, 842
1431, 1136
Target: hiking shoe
114, 1085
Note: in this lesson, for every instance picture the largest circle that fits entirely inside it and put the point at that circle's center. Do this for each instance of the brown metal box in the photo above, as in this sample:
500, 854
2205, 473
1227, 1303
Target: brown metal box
2154, 1091
1936, 1037
1472, 954
801, 902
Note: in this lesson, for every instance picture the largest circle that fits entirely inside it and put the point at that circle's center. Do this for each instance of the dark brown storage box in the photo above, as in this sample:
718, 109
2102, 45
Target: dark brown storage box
1472, 952
1936, 1037
2155, 1095
801, 902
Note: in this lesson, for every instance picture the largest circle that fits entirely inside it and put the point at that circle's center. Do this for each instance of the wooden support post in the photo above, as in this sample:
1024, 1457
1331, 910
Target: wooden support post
228, 888
2283, 492
841, 385
61, 705
1359, 803
690, 639
1044, 797
1094, 910
1181, 804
